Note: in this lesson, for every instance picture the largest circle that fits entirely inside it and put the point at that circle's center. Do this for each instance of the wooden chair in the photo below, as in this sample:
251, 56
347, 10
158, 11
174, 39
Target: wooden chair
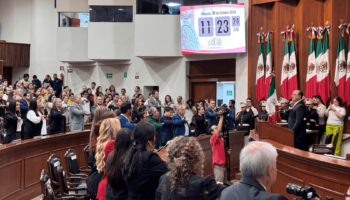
77, 192
322, 148
73, 165
87, 155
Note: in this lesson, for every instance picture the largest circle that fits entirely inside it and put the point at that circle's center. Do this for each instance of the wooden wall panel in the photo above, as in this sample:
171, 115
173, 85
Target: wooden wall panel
15, 54
10, 174
225, 66
33, 166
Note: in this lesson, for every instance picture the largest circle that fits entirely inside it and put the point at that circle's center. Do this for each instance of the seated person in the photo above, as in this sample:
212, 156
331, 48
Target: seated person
257, 162
185, 159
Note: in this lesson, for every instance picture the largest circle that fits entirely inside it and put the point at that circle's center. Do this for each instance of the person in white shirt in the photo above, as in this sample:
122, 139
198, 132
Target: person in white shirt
65, 108
35, 124
49, 102
150, 96
251, 107
190, 111
6, 93
85, 104
179, 102
336, 114
93, 89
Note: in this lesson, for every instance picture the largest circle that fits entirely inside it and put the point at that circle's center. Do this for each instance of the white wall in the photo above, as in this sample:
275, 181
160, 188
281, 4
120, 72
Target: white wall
112, 2
72, 6
157, 35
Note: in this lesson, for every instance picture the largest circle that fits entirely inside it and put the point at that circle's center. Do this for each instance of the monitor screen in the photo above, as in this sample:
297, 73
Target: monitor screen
210, 29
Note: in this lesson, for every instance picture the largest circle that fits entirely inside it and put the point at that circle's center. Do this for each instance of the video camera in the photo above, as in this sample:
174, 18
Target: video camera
223, 108
306, 192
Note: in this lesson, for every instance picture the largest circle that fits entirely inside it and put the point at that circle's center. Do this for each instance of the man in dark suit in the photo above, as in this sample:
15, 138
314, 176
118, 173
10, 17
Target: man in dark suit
296, 119
259, 170
211, 115
57, 85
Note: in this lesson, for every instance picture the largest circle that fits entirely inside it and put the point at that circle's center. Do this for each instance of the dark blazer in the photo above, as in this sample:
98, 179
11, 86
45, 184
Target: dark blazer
212, 117
124, 123
37, 84
167, 129
193, 190
201, 125
11, 127
57, 122
231, 119
297, 124
57, 86
249, 189
146, 179
179, 126
135, 113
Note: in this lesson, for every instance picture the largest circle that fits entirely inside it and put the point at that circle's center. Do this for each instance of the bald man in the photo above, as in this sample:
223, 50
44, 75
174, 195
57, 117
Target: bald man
180, 122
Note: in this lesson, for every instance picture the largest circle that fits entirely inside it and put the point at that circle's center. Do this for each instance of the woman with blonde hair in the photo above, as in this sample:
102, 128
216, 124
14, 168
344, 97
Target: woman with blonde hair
105, 145
185, 159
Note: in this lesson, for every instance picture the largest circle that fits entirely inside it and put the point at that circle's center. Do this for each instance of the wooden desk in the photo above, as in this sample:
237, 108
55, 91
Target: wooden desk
329, 176
22, 162
236, 144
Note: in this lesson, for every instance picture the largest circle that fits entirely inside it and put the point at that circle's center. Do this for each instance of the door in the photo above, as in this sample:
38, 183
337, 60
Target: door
203, 90
7, 74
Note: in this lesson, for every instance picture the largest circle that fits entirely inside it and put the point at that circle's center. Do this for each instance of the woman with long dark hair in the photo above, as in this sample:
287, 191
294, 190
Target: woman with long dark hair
98, 93
49, 103
34, 123
336, 114
11, 120
2, 104
201, 123
185, 159
57, 118
135, 110
143, 168
168, 102
116, 187
112, 89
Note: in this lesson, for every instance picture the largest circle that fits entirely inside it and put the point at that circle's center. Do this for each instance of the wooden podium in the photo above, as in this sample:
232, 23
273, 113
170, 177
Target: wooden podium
277, 133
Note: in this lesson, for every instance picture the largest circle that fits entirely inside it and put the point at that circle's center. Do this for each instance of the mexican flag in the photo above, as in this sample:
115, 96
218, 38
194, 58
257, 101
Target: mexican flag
285, 71
271, 103
292, 75
347, 80
311, 77
340, 66
323, 75
268, 66
260, 72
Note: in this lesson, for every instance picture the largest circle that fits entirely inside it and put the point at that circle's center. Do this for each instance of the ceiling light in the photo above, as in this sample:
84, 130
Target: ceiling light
120, 9
174, 4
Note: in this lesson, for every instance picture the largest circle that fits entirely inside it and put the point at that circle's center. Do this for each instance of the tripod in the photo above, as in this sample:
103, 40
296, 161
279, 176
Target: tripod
225, 136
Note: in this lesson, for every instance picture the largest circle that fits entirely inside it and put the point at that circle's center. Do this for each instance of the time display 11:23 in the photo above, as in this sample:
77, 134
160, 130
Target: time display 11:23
222, 25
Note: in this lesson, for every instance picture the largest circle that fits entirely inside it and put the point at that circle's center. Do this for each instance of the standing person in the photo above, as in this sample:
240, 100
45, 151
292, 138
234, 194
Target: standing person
2, 104
153, 119
98, 103
12, 120
155, 102
313, 116
4, 83
137, 92
179, 102
47, 81
251, 107
66, 89
71, 97
31, 88
190, 110
245, 120
97, 117
180, 122
113, 105
123, 91
57, 118
218, 149
263, 115
296, 119
105, 144
112, 89
36, 82
185, 159
85, 104
66, 108
284, 110
49, 102
211, 114
258, 164
25, 87
34, 123
150, 96
168, 102
24, 106
98, 93
93, 89
116, 186
25, 77
321, 108
135, 109
200, 121
168, 123
125, 116
57, 85
49, 93
6, 93
77, 115
143, 168
231, 105
336, 114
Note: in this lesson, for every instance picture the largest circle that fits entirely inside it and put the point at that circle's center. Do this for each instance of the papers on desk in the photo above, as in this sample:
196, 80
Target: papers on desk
332, 156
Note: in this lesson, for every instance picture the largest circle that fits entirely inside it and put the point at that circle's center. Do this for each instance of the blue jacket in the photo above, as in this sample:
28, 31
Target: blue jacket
167, 129
124, 123
212, 117
230, 119
179, 126
37, 83
24, 108
57, 85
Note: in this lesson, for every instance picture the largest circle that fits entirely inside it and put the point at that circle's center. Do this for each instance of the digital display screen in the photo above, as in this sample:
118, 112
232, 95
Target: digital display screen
213, 29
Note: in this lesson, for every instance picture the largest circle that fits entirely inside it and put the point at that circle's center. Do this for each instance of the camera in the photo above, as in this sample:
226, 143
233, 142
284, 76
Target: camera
306, 192
223, 108
198, 102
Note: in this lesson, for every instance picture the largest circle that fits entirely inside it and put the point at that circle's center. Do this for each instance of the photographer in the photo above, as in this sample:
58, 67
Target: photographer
219, 157
47, 81
245, 119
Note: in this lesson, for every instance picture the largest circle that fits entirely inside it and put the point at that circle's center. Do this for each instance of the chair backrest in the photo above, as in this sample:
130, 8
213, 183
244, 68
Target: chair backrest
52, 164
87, 154
46, 186
328, 139
335, 139
72, 162
62, 179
